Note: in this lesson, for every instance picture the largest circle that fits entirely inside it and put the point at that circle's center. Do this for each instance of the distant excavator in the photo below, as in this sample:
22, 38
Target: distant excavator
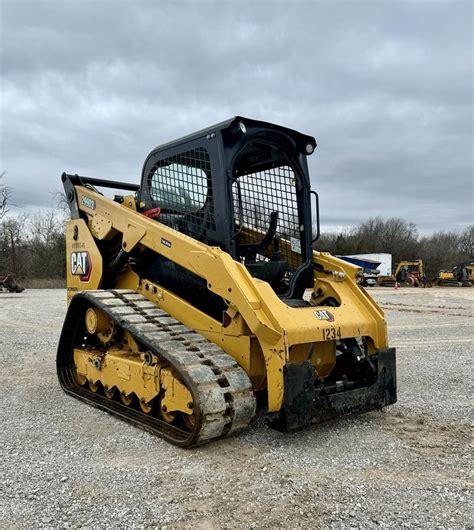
461, 275
409, 273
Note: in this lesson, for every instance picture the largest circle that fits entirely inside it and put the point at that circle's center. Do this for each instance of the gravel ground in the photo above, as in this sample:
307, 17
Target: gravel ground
64, 464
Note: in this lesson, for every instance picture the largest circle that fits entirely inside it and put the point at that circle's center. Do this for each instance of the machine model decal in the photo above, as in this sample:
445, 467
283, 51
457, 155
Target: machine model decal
81, 265
165, 242
88, 202
322, 314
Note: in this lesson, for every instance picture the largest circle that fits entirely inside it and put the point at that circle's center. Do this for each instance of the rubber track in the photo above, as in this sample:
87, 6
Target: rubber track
222, 392
453, 283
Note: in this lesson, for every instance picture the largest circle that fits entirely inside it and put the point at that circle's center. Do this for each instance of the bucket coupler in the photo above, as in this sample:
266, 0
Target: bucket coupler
305, 402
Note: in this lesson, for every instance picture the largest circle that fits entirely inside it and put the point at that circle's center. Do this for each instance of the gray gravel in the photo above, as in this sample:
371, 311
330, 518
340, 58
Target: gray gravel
64, 464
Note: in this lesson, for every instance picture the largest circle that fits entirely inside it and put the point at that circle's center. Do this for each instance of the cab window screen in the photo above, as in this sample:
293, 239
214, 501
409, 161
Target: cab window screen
180, 183
272, 187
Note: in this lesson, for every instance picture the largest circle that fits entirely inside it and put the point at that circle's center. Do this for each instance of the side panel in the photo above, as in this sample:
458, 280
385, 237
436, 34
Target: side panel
83, 259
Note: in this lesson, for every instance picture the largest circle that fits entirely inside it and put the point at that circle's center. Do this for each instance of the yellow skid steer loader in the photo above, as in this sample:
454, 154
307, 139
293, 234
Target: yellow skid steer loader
199, 290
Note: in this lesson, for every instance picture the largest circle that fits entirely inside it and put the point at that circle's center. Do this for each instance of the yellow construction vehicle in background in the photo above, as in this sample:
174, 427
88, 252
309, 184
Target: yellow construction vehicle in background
462, 275
410, 273
187, 295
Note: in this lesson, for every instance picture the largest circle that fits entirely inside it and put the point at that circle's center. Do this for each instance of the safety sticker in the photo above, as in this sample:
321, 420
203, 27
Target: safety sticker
88, 202
295, 245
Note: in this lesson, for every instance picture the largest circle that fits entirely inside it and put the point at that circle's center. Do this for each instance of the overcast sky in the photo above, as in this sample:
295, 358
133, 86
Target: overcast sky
385, 87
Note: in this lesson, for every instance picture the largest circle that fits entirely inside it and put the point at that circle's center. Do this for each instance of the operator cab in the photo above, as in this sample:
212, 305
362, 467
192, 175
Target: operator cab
242, 185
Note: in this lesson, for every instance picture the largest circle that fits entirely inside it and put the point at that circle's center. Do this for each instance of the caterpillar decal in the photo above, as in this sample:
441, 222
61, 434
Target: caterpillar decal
81, 265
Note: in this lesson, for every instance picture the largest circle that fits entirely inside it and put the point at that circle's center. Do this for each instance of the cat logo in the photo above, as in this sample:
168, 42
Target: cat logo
81, 265
322, 314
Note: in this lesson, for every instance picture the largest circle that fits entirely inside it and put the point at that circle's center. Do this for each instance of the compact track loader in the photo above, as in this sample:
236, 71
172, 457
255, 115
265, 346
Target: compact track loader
199, 291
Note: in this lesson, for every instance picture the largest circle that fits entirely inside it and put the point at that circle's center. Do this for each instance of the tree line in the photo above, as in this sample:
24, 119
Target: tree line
33, 247
441, 250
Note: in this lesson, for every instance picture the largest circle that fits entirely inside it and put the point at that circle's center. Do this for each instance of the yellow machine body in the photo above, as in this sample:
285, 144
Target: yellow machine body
202, 290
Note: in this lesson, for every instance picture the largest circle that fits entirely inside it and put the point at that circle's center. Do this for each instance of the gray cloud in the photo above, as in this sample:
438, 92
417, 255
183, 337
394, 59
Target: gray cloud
385, 87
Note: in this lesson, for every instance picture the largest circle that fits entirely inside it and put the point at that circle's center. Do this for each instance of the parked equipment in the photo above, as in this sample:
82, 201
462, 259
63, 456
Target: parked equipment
186, 297
462, 275
383, 258
8, 283
370, 269
407, 274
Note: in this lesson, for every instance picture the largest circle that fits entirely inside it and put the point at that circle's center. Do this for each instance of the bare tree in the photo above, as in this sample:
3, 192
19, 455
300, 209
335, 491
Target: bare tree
466, 242
45, 225
46, 243
5, 193
11, 239
61, 203
395, 236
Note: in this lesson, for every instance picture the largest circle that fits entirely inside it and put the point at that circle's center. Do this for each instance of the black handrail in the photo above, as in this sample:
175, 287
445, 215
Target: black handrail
318, 231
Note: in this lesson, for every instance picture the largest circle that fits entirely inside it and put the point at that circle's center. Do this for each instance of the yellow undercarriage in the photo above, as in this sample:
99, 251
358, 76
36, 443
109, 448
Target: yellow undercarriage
129, 373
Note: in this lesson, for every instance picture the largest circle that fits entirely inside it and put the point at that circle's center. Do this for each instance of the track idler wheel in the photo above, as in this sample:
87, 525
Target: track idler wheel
99, 324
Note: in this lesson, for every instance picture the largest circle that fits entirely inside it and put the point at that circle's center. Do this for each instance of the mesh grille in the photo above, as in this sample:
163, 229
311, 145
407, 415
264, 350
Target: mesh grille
261, 194
181, 185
